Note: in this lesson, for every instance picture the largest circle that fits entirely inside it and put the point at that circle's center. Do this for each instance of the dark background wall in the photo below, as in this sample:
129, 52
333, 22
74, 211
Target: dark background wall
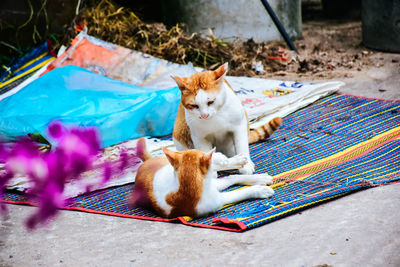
24, 23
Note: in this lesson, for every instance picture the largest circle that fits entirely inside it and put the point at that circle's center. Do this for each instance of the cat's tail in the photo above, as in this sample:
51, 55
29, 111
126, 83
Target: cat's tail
264, 131
141, 151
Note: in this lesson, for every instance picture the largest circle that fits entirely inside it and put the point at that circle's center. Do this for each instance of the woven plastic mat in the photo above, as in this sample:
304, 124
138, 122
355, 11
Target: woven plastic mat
336, 146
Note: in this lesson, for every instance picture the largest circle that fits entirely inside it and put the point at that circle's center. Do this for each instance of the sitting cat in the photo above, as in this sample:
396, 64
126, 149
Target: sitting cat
211, 115
184, 184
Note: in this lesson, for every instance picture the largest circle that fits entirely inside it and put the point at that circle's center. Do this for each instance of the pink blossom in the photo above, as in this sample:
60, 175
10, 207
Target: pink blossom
75, 151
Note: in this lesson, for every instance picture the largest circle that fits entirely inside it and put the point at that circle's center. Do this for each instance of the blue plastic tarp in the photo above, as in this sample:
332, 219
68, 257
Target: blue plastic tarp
76, 96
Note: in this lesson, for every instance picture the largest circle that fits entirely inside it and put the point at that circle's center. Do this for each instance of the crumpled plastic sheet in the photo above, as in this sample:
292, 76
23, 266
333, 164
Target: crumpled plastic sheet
73, 95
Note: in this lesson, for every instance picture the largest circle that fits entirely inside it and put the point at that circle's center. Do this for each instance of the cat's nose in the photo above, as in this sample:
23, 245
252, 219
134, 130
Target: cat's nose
204, 116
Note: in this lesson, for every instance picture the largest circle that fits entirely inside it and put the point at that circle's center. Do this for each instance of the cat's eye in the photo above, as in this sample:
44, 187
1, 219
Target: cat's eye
194, 106
210, 102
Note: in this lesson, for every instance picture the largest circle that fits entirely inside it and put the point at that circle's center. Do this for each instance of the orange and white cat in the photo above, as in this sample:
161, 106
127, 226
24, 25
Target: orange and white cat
211, 115
184, 183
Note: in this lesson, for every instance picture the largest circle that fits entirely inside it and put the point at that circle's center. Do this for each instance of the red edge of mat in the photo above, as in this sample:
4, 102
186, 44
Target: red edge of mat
239, 225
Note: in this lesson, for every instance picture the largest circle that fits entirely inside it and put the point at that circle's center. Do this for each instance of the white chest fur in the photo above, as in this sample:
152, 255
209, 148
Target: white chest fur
210, 200
223, 125
229, 117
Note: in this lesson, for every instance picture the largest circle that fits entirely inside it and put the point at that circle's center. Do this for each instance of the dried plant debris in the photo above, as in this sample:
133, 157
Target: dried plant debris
325, 50
122, 26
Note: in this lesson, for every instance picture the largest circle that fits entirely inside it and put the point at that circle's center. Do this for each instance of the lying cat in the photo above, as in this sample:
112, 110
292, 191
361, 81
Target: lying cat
211, 115
184, 183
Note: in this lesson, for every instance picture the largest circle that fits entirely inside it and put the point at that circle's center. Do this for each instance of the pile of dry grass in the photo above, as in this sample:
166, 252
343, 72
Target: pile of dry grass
121, 26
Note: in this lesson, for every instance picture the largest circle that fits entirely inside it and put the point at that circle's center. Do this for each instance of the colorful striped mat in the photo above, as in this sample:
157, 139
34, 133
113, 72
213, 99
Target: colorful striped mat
26, 67
331, 148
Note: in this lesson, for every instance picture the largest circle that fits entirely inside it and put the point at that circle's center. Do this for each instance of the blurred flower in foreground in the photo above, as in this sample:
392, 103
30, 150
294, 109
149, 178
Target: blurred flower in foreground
74, 152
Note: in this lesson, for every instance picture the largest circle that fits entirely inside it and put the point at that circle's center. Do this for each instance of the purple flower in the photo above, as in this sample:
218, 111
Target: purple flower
74, 152
55, 130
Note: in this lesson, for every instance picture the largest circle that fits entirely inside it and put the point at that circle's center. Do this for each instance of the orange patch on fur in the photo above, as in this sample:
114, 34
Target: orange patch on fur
143, 194
192, 165
209, 81
265, 130
181, 130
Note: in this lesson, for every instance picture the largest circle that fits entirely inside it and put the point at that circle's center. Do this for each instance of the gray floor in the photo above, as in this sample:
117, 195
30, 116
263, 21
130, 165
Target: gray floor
362, 229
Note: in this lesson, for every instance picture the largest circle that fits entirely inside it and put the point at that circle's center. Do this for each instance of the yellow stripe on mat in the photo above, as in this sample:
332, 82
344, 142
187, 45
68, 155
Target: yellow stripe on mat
342, 156
30, 62
38, 66
295, 208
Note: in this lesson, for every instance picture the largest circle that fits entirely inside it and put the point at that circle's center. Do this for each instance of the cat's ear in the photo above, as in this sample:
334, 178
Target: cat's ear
221, 72
205, 161
171, 156
179, 82
208, 156
211, 151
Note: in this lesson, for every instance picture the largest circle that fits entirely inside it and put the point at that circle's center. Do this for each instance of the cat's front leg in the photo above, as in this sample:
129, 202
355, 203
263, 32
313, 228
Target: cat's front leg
249, 168
241, 142
251, 192
223, 163
243, 179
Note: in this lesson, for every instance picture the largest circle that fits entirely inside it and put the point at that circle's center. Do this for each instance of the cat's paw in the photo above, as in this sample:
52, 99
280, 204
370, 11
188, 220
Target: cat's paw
248, 168
238, 161
262, 179
262, 191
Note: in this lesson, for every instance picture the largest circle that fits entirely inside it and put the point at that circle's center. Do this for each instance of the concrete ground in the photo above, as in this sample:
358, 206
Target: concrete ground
362, 229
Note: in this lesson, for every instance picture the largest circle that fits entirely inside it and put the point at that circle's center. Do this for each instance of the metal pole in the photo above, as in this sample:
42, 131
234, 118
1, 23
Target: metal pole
278, 24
